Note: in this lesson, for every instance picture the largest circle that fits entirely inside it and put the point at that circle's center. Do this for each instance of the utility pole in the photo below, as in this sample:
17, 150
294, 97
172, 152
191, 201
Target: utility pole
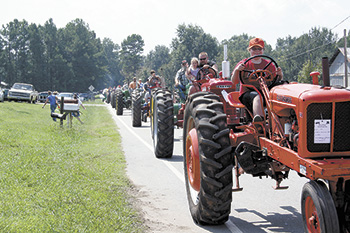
308, 47
345, 60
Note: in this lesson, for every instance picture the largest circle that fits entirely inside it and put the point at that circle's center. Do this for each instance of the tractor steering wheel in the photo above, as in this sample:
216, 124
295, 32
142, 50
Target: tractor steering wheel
264, 73
203, 72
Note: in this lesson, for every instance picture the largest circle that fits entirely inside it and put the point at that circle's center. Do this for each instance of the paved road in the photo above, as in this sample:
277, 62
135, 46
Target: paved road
162, 199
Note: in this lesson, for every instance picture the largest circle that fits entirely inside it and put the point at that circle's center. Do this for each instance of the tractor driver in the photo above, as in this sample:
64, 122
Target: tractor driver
133, 84
205, 63
250, 98
154, 80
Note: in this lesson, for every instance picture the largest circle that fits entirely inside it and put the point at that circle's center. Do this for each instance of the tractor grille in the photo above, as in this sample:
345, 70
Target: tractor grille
341, 132
342, 127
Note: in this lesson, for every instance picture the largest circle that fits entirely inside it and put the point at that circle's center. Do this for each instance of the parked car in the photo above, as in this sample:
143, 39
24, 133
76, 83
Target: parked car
43, 96
2, 95
23, 92
66, 95
84, 96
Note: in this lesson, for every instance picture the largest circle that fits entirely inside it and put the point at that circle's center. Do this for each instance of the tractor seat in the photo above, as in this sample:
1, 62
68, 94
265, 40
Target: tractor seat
233, 100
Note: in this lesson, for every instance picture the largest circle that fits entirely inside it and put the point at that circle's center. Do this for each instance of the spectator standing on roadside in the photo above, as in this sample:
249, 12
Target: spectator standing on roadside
104, 93
53, 103
77, 114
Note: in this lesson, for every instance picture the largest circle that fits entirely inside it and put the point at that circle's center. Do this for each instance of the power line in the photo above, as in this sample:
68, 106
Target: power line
307, 51
313, 40
340, 22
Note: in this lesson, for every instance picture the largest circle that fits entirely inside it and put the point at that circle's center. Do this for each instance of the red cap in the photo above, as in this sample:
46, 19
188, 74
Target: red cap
256, 42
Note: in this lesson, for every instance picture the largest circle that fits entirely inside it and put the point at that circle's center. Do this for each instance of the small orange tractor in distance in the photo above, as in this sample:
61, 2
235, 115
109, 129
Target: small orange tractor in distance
306, 129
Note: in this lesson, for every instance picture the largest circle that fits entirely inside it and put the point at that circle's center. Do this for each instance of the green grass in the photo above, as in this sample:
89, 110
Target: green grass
96, 101
55, 179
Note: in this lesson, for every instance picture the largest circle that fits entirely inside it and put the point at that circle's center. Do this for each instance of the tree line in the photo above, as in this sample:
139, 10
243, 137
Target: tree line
73, 58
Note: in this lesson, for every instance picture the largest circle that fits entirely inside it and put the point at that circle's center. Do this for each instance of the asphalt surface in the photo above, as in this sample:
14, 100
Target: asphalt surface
161, 197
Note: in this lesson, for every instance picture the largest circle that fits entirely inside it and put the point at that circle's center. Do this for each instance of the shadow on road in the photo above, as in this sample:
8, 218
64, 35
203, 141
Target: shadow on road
174, 158
273, 222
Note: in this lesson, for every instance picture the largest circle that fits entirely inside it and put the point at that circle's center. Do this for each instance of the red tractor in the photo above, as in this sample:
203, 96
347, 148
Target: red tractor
305, 129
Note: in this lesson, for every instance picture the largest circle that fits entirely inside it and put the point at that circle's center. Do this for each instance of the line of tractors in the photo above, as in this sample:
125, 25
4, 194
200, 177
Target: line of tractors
306, 128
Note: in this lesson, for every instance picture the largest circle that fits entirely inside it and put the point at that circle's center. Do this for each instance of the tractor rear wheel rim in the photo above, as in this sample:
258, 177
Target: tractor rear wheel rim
193, 163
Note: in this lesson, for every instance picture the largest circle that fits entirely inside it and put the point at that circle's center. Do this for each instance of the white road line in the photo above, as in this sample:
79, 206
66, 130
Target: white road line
171, 167
232, 227
229, 224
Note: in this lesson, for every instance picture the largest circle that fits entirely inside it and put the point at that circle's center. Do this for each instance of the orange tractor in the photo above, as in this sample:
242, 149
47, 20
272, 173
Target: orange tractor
306, 129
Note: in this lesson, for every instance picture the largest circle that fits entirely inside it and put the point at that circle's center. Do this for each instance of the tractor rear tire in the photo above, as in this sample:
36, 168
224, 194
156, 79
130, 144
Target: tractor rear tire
208, 159
128, 103
119, 103
108, 98
113, 99
151, 109
136, 108
163, 124
318, 209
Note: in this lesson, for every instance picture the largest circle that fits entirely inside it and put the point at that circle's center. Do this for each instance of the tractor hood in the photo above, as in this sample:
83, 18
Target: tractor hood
298, 96
217, 85
293, 93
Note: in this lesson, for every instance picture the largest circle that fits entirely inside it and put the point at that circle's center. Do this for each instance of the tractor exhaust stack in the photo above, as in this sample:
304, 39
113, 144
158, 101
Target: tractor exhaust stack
325, 71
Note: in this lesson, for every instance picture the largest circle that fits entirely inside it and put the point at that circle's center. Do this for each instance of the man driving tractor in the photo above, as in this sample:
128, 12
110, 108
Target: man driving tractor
249, 96
154, 80
133, 85
204, 63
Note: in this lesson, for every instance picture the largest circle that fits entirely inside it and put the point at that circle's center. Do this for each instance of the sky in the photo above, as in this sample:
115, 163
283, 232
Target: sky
157, 20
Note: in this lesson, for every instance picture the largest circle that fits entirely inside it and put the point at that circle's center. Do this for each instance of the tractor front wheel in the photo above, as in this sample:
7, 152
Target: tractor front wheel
163, 124
318, 209
119, 103
208, 159
136, 108
113, 99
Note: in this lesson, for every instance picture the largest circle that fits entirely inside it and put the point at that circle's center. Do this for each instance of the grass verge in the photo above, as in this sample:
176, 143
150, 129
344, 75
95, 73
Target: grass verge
55, 179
